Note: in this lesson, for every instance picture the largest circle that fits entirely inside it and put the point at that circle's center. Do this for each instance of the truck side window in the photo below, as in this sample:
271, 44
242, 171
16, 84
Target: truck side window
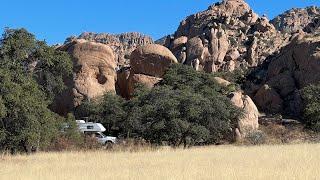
98, 135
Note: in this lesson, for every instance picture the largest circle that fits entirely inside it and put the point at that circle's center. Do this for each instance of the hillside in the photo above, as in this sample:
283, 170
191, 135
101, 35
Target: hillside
224, 76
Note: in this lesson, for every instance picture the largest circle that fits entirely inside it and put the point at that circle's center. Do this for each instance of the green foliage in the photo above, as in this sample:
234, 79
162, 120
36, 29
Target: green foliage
238, 76
187, 107
53, 67
112, 111
256, 138
26, 123
109, 111
25, 119
311, 98
17, 45
20, 50
70, 130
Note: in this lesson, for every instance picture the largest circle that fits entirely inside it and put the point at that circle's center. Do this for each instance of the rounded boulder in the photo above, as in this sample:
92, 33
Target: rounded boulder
152, 60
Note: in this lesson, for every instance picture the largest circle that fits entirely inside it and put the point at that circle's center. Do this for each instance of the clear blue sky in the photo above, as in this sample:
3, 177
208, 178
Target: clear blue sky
54, 20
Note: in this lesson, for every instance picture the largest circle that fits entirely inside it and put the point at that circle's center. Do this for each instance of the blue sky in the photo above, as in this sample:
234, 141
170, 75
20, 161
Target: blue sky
54, 20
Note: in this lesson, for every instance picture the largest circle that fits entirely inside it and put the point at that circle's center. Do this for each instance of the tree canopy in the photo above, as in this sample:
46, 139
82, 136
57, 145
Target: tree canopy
311, 98
31, 74
186, 107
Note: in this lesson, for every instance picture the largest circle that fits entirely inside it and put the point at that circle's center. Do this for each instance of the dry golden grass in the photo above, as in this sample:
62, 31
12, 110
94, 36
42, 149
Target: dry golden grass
224, 162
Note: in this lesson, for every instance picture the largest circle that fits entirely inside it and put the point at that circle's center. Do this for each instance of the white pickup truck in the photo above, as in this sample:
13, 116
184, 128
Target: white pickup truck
96, 129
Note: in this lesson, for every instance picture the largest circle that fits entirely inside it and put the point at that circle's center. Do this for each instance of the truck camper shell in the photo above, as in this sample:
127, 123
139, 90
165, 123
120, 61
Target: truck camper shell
90, 126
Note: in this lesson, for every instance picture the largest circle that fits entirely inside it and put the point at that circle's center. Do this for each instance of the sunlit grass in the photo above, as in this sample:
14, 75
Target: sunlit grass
224, 162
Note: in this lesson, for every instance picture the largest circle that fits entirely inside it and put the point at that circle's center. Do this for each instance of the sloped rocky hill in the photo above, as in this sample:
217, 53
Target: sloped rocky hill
296, 66
225, 37
298, 19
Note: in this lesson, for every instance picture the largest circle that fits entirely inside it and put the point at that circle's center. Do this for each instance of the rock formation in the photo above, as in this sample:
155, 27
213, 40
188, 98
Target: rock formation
295, 67
148, 65
151, 60
94, 73
249, 121
227, 36
121, 44
297, 19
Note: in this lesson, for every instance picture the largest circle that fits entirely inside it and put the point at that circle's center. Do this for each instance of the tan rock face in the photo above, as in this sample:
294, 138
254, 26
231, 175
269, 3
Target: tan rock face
306, 19
122, 83
296, 66
179, 42
300, 59
94, 72
151, 60
148, 65
225, 37
268, 99
121, 44
147, 81
249, 121
221, 81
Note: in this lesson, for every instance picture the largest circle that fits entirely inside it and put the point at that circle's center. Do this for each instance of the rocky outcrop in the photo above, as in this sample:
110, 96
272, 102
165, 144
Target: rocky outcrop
148, 65
152, 60
249, 121
122, 83
295, 67
297, 19
148, 81
225, 37
121, 44
268, 99
94, 73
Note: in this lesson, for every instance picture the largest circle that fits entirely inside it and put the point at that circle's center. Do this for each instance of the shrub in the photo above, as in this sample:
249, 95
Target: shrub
26, 123
256, 138
187, 107
311, 99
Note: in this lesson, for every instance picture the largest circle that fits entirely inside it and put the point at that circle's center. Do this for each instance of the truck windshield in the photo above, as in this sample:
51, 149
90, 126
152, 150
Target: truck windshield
103, 135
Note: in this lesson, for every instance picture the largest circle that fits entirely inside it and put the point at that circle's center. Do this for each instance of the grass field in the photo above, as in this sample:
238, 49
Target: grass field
224, 162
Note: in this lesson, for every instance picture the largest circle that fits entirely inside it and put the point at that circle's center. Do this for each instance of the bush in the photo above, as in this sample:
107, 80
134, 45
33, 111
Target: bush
26, 91
109, 111
311, 99
256, 138
48, 66
238, 76
186, 108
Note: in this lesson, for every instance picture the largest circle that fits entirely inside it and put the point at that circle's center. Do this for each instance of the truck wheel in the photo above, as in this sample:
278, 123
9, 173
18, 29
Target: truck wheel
109, 145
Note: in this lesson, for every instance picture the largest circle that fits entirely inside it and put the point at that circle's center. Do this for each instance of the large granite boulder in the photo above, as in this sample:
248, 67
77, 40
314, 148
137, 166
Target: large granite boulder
151, 60
94, 73
249, 122
148, 65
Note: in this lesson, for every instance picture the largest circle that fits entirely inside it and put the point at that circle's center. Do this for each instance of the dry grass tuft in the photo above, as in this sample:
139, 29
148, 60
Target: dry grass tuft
223, 162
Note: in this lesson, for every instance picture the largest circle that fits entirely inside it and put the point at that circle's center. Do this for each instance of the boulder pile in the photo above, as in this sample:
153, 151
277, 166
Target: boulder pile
295, 67
227, 36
